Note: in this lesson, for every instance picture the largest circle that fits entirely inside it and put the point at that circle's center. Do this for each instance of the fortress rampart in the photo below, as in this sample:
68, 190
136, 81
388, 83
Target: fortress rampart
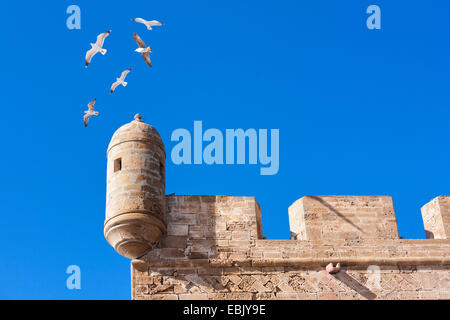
212, 247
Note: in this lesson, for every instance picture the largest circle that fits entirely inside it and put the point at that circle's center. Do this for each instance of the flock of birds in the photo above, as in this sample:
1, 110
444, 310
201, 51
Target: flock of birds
98, 47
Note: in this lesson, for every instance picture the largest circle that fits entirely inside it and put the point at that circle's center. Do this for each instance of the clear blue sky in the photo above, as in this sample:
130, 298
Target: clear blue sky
360, 112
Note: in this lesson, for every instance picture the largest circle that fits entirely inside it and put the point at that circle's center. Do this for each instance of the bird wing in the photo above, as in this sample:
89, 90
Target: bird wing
86, 119
154, 23
124, 74
114, 85
89, 54
146, 57
139, 41
140, 20
101, 38
91, 105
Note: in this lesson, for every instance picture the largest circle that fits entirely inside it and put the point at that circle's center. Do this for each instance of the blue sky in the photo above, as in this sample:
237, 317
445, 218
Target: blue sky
360, 112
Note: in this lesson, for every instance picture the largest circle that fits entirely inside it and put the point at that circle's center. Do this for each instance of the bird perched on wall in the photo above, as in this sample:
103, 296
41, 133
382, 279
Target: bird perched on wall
331, 269
148, 24
120, 80
143, 49
97, 47
90, 112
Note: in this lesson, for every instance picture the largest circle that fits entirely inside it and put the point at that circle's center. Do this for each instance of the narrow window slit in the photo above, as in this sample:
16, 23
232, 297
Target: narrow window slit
161, 170
118, 164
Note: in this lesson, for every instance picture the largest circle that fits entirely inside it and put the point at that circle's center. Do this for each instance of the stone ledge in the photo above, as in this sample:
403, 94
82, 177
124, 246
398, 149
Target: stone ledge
295, 262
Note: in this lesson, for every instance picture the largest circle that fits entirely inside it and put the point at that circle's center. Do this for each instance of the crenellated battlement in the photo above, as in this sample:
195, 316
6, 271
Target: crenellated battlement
436, 218
223, 229
220, 237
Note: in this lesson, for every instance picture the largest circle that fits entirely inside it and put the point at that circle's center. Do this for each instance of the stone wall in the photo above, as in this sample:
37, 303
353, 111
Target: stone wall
214, 249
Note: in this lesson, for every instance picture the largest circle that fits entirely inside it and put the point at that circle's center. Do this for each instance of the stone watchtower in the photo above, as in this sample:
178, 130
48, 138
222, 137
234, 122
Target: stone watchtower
135, 191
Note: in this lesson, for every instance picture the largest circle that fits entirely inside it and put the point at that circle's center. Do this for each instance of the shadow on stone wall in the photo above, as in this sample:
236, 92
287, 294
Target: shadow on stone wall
353, 284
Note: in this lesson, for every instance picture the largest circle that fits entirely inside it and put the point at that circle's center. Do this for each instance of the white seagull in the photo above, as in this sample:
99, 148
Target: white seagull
331, 269
120, 80
148, 24
143, 49
97, 47
89, 112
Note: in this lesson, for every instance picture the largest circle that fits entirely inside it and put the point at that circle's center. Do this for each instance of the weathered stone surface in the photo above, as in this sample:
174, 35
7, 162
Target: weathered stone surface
234, 262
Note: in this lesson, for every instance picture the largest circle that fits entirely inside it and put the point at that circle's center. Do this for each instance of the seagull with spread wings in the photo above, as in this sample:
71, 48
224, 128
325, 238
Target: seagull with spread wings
89, 112
120, 80
143, 49
148, 24
97, 47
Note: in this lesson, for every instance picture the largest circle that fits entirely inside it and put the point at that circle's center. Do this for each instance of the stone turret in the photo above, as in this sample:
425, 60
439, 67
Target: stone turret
135, 191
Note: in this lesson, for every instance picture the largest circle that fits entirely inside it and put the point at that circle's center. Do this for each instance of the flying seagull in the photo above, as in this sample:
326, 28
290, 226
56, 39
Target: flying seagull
120, 80
143, 49
148, 24
97, 47
89, 112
